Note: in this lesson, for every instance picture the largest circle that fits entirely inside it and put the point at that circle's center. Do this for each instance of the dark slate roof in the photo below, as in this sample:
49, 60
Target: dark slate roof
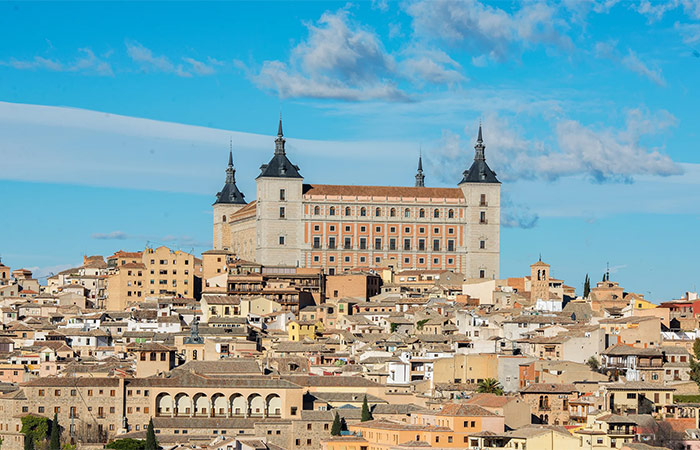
479, 172
279, 166
230, 193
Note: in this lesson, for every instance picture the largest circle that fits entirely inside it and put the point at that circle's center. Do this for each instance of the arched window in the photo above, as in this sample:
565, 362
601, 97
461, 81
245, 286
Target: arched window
392, 212
421, 213
347, 210
223, 218
317, 210
407, 212
451, 214
436, 213
378, 212
331, 212
363, 212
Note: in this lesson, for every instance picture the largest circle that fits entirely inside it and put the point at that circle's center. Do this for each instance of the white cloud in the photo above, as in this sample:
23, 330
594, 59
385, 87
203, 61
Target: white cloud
655, 10
482, 27
600, 154
341, 59
200, 67
87, 63
434, 66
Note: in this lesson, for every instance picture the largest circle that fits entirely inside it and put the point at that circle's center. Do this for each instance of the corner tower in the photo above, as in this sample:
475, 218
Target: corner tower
482, 192
279, 209
228, 201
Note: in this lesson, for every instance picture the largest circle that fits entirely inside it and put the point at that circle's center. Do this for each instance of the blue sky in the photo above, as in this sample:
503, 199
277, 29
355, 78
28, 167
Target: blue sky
115, 120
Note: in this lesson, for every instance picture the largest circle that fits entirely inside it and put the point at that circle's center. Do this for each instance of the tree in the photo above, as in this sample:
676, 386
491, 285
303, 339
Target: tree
694, 363
366, 413
337, 427
35, 427
587, 287
490, 386
55, 442
593, 363
127, 444
151, 442
421, 323
28, 442
394, 327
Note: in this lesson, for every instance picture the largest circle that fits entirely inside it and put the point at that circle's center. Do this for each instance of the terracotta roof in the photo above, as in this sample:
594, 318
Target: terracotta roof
551, 388
463, 410
382, 191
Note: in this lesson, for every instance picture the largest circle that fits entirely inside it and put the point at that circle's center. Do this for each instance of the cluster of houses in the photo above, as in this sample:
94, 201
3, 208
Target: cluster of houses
258, 357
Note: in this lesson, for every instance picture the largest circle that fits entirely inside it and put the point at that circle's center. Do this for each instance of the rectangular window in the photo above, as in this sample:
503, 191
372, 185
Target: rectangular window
283, 195
281, 240
482, 274
363, 243
482, 200
392, 244
282, 212
317, 242
436, 245
331, 242
421, 244
482, 217
377, 243
482, 244
347, 243
347, 228
450, 245
406, 244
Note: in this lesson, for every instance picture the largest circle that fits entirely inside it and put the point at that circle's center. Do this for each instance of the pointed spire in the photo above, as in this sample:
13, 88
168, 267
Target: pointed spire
420, 178
479, 148
230, 171
279, 142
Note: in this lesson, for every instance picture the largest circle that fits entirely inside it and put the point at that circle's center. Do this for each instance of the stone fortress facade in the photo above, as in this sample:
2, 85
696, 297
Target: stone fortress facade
337, 227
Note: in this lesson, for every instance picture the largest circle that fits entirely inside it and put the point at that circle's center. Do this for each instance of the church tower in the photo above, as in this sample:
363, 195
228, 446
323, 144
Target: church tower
539, 281
279, 234
420, 178
482, 192
228, 201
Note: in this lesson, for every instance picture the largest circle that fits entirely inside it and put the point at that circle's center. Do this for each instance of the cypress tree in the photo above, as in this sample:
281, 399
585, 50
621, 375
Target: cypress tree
587, 287
366, 413
28, 442
55, 442
337, 426
151, 442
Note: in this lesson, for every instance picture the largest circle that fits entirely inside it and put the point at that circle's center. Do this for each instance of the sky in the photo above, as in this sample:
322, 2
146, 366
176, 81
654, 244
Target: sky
116, 121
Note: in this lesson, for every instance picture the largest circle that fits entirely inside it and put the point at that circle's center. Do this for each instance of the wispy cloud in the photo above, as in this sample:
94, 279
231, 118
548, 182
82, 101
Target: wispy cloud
114, 235
631, 61
86, 63
149, 62
171, 240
